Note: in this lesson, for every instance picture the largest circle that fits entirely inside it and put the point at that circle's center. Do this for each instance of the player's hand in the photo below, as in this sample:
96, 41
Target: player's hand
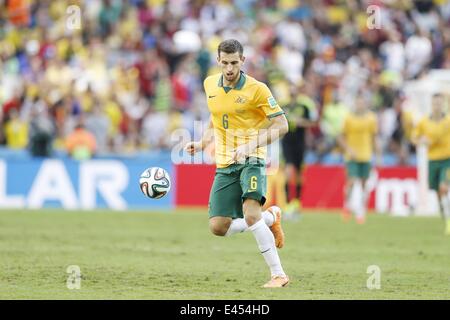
351, 154
378, 160
305, 123
300, 122
424, 141
193, 147
242, 152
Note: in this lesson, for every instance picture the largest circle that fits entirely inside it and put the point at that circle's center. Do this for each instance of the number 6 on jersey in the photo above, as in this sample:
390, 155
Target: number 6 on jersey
225, 121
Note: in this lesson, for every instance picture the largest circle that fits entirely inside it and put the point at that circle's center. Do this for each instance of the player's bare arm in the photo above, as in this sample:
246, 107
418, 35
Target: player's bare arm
277, 128
196, 146
378, 150
345, 147
305, 123
418, 139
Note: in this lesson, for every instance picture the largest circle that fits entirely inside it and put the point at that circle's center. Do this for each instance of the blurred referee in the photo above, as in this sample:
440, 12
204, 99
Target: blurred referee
301, 114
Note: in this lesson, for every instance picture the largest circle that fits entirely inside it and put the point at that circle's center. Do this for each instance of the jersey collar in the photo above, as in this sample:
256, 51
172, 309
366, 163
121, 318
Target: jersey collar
239, 85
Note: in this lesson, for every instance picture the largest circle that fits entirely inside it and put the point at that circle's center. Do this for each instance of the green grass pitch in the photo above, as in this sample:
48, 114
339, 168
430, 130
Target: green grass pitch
172, 255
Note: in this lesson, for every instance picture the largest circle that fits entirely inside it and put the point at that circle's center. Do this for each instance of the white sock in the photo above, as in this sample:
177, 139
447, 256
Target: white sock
239, 225
363, 209
268, 217
445, 202
348, 199
266, 244
365, 197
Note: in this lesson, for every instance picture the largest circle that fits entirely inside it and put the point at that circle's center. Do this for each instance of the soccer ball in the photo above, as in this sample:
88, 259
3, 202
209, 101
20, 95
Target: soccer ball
154, 182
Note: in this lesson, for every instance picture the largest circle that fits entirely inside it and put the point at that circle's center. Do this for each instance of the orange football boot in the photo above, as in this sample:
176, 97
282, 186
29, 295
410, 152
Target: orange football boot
277, 282
346, 215
360, 220
276, 229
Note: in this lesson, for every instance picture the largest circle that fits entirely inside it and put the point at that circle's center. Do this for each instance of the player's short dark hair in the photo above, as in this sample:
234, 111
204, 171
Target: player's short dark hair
230, 46
438, 95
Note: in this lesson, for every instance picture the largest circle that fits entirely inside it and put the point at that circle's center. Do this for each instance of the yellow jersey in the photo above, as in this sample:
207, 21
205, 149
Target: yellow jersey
358, 132
238, 114
16, 134
438, 134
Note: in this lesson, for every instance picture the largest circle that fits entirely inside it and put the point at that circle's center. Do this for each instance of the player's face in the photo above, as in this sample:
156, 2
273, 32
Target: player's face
437, 104
360, 105
231, 64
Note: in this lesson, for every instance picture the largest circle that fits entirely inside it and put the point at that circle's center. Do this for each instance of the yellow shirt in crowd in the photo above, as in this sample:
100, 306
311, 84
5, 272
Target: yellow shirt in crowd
16, 134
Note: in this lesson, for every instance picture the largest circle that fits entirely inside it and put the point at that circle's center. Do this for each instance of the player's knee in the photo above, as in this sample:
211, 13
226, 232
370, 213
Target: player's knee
292, 179
251, 219
291, 172
218, 228
252, 211
350, 182
443, 190
364, 183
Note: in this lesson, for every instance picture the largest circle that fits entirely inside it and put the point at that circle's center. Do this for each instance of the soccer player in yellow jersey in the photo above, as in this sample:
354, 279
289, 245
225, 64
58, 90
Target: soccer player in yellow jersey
434, 132
245, 118
359, 141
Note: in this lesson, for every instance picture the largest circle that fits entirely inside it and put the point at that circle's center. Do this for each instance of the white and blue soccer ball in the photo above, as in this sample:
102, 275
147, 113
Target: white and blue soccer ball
155, 182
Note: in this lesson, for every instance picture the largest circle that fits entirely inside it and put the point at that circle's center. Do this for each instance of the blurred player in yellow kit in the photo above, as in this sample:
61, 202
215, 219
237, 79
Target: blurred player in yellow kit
434, 132
358, 141
245, 119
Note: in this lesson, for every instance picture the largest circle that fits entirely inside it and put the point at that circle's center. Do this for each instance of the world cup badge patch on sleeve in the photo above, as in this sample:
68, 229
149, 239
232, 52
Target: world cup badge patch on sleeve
272, 102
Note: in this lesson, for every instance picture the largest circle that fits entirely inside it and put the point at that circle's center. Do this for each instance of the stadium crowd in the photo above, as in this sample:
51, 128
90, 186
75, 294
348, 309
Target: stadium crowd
131, 72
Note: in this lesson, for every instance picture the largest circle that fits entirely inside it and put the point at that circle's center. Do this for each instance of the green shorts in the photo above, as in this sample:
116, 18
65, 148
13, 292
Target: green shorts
438, 172
235, 183
358, 169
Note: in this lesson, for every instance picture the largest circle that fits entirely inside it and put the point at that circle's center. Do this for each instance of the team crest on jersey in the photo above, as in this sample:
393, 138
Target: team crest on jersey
272, 102
240, 100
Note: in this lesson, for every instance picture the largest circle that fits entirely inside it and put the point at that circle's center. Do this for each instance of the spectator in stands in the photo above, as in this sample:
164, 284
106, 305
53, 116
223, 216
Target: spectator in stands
16, 131
331, 125
81, 144
126, 57
418, 52
42, 132
98, 123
